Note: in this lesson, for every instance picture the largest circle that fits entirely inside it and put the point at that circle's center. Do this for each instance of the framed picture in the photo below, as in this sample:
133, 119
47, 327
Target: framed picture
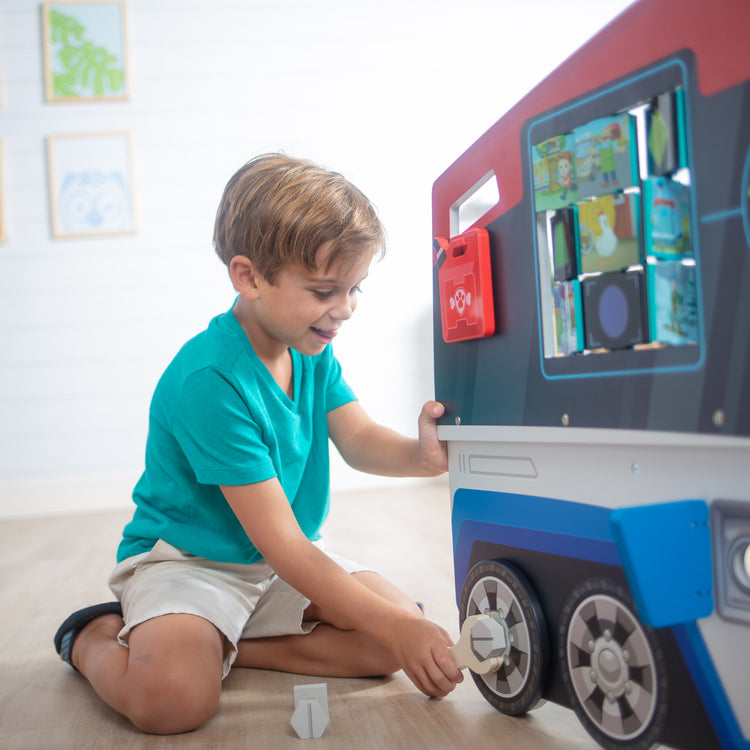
90, 184
3, 231
85, 51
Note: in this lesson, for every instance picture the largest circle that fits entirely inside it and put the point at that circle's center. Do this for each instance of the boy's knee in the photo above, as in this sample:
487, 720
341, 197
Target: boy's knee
174, 705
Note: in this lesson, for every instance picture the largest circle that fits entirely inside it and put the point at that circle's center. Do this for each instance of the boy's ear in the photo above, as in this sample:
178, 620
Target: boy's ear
245, 276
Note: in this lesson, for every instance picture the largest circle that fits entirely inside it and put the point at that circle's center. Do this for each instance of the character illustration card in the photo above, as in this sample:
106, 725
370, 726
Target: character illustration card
609, 233
606, 155
553, 166
673, 313
666, 220
568, 317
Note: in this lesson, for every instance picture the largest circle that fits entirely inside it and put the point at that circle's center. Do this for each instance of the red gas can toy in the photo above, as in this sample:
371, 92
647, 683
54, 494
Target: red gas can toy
466, 303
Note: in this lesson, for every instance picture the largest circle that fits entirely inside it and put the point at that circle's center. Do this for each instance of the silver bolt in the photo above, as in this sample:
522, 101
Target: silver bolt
718, 418
458, 420
565, 420
488, 638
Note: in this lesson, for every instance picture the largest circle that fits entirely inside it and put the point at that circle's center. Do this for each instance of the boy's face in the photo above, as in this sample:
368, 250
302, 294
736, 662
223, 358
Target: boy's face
304, 309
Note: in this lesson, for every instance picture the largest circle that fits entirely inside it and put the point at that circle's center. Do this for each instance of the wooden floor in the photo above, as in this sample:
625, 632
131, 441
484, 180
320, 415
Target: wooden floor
51, 566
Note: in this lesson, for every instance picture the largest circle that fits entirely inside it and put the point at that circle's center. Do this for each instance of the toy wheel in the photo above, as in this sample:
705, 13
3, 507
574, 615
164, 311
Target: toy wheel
502, 591
612, 666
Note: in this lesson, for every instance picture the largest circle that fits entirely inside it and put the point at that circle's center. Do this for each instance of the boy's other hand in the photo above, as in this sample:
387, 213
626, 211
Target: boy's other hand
433, 453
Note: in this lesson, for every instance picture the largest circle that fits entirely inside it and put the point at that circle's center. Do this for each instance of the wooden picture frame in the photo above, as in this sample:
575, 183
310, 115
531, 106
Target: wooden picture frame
90, 184
3, 215
85, 51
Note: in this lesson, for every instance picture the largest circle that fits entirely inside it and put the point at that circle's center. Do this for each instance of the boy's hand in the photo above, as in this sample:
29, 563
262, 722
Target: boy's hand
421, 648
433, 453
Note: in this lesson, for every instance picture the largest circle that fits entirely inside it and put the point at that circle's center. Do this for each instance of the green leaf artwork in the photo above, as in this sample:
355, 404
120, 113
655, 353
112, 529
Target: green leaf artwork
86, 51
658, 138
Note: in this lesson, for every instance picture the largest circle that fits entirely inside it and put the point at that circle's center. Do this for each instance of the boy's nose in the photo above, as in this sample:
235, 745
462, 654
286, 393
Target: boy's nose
344, 309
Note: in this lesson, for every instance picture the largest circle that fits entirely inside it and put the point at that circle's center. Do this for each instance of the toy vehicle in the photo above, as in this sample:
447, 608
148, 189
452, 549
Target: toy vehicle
597, 382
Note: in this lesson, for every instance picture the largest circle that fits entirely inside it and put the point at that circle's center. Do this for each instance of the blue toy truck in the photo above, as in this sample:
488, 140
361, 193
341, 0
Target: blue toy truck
596, 377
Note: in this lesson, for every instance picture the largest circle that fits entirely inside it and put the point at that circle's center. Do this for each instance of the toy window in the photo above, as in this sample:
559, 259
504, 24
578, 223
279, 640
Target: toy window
613, 208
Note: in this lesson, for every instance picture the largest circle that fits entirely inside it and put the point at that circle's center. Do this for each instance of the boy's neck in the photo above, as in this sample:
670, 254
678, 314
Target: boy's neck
273, 354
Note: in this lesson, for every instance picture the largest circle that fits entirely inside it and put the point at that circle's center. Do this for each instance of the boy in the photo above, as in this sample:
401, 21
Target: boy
220, 564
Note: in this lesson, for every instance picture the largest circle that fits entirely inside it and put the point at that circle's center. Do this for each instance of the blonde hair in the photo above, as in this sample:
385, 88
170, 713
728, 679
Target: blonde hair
278, 210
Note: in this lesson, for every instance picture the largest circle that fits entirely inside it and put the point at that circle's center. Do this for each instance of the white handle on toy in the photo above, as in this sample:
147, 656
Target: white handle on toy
480, 634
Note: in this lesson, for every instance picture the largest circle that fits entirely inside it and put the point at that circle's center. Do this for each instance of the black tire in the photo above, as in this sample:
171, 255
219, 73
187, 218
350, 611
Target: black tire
500, 589
613, 667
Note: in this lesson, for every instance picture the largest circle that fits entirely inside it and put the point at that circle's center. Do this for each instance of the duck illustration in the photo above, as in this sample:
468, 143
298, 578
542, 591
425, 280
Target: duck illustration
606, 242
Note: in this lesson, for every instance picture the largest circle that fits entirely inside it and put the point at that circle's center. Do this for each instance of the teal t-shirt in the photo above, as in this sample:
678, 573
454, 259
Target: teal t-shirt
218, 417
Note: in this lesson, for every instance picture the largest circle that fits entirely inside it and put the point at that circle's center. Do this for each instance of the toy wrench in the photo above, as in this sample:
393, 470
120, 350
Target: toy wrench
481, 645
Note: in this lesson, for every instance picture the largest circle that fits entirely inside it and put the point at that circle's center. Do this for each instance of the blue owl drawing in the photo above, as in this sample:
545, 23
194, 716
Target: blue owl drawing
94, 203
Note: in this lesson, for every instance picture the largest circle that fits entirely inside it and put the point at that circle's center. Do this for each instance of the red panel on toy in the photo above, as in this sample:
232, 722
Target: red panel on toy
466, 303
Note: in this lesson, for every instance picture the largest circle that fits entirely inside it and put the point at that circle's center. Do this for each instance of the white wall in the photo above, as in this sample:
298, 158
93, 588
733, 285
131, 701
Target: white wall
389, 93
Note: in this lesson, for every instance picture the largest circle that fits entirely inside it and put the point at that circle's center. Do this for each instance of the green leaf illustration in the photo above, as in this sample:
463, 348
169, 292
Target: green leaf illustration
63, 27
87, 69
658, 138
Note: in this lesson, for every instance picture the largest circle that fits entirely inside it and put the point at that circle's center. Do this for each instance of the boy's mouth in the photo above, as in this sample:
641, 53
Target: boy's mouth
323, 333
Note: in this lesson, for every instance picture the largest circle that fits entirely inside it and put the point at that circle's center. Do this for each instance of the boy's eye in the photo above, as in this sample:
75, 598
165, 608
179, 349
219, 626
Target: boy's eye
328, 293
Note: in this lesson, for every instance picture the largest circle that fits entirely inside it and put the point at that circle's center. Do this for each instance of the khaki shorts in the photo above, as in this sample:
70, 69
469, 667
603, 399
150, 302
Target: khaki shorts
242, 601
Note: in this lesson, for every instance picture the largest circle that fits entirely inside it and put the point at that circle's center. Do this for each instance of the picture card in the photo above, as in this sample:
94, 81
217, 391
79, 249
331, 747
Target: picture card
673, 305
568, 317
667, 218
606, 155
563, 233
665, 133
553, 167
613, 306
609, 233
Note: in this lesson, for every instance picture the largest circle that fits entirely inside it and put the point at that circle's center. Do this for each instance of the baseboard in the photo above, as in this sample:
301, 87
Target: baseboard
54, 496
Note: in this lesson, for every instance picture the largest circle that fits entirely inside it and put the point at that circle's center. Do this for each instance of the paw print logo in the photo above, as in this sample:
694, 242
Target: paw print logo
460, 300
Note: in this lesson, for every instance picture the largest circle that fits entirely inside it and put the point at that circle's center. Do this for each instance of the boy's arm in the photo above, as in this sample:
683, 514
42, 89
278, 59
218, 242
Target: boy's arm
370, 447
420, 647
